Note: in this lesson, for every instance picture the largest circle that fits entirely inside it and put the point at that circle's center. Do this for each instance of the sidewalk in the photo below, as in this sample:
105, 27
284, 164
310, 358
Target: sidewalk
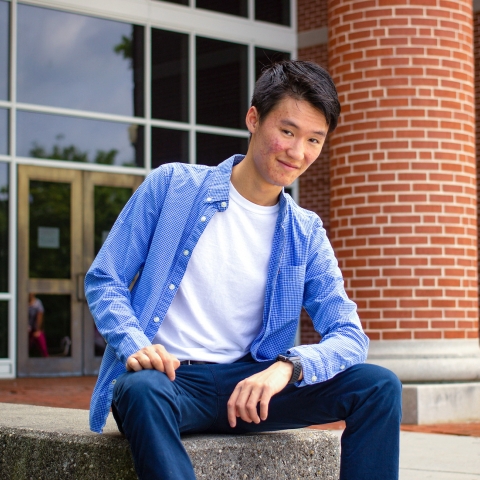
428, 452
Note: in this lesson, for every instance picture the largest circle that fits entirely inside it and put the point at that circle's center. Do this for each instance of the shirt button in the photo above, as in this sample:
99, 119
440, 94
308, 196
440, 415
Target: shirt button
156, 319
171, 286
114, 382
223, 204
209, 199
203, 219
314, 378
342, 367
186, 252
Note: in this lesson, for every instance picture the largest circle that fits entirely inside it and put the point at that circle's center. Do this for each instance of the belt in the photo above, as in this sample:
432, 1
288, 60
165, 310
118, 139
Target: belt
196, 362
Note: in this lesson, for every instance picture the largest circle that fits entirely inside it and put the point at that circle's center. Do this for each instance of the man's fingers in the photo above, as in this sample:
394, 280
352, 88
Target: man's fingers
133, 365
232, 407
153, 357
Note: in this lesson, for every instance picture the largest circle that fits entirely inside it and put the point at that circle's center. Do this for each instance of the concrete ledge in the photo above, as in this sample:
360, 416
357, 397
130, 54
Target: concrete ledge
416, 361
55, 443
425, 404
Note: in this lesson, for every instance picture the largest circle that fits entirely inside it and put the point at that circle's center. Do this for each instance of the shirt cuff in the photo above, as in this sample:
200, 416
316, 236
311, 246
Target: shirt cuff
134, 341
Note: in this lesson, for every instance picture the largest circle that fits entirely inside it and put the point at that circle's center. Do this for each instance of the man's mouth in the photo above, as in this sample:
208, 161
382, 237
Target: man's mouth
288, 165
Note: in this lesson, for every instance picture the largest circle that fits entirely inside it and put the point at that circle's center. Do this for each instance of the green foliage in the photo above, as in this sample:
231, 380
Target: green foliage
73, 154
125, 48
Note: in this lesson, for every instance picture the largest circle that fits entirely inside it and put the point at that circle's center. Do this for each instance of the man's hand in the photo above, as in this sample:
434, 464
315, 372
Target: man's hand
258, 388
153, 357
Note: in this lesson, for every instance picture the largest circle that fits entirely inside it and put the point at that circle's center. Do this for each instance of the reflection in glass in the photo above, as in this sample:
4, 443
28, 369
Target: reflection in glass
109, 202
4, 194
56, 326
264, 57
41, 135
3, 329
37, 343
74, 61
4, 34
3, 131
49, 244
213, 149
273, 11
233, 7
169, 146
169, 75
222, 97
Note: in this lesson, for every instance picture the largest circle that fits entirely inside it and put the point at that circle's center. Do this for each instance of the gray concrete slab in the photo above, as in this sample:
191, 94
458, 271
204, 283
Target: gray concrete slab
44, 443
439, 457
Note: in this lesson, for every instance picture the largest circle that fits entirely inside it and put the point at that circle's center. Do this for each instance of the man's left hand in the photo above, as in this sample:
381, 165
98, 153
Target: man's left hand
258, 388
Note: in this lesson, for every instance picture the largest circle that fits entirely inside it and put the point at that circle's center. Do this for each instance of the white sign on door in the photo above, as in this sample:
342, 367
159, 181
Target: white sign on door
48, 237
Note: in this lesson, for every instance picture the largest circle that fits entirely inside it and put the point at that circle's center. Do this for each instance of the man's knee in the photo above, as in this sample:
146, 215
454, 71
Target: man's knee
386, 387
139, 387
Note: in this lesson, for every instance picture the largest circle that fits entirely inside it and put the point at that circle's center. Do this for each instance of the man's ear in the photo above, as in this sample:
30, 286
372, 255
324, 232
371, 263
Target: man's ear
252, 119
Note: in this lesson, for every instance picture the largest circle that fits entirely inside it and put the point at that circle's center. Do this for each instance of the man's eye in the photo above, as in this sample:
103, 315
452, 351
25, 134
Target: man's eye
314, 140
288, 132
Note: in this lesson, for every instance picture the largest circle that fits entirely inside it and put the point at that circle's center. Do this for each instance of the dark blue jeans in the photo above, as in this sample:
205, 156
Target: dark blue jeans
153, 412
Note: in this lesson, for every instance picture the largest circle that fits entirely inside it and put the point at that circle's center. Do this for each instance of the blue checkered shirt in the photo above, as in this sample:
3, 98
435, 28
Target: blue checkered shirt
165, 216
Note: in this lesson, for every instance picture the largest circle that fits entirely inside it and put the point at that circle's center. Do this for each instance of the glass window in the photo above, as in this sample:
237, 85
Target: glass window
3, 329
233, 7
264, 57
74, 61
3, 131
4, 34
169, 75
222, 88
213, 149
273, 11
50, 239
169, 146
42, 135
4, 195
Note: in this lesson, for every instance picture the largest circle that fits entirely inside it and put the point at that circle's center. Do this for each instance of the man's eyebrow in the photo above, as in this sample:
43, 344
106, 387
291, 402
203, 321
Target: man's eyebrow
290, 123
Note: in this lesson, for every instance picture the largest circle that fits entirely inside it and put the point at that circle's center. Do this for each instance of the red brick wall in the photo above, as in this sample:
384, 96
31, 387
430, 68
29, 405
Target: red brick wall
311, 14
403, 181
476, 49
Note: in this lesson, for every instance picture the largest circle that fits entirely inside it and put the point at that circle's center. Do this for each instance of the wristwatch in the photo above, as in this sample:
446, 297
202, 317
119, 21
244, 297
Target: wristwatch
297, 367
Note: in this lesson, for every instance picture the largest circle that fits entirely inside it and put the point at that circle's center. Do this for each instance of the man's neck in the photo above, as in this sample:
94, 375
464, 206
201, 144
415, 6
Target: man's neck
248, 186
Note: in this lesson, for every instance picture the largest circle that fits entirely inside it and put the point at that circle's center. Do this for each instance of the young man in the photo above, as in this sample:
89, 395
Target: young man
225, 260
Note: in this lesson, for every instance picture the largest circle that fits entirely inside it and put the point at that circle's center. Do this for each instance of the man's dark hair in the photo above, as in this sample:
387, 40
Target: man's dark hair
300, 80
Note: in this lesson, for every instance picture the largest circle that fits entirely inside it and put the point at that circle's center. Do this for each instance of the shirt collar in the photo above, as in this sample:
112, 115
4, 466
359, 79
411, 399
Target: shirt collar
220, 186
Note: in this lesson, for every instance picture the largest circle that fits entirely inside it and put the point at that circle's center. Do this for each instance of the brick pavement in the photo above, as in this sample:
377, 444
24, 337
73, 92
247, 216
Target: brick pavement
74, 392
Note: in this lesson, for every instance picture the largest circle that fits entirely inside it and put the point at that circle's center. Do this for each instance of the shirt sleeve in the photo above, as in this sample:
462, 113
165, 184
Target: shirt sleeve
121, 257
334, 316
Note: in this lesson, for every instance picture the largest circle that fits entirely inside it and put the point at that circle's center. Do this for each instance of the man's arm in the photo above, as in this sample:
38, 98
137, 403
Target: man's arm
119, 260
334, 316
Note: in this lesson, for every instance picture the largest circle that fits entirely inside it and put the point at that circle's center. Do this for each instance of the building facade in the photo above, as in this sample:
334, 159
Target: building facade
93, 95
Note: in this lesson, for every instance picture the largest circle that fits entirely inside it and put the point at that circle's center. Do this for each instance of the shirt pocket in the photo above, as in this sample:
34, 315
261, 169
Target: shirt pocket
288, 297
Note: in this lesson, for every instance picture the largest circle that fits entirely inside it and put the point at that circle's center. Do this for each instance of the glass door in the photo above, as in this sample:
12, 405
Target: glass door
64, 216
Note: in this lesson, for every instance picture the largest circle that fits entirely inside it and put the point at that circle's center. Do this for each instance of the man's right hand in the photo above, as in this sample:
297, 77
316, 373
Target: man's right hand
153, 357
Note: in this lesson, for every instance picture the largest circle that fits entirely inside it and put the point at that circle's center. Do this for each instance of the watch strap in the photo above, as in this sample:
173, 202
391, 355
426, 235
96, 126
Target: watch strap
297, 367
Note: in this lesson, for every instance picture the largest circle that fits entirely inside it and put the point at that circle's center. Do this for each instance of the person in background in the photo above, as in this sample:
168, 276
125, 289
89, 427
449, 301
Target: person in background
36, 335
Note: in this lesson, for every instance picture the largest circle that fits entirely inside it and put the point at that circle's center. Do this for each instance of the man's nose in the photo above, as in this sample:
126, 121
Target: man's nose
296, 151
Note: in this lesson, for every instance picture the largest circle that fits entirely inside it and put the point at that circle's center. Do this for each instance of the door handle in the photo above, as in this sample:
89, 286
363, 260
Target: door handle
81, 287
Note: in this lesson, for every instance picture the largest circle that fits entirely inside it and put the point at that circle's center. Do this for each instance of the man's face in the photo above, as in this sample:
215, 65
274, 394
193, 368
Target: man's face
286, 142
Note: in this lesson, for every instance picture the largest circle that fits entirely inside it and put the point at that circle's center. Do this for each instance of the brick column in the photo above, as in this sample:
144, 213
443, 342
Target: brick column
403, 218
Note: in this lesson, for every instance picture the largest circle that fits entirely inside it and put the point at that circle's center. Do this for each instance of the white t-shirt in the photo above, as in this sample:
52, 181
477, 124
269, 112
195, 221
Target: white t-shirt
218, 308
